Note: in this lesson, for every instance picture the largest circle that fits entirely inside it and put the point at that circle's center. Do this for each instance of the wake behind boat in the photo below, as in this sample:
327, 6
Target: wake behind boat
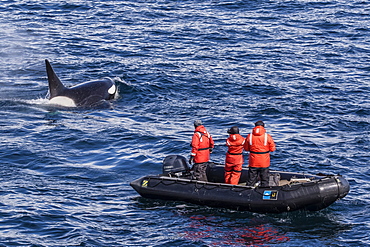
287, 191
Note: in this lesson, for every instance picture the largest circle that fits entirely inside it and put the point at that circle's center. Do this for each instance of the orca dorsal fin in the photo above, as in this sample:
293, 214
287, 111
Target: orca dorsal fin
56, 87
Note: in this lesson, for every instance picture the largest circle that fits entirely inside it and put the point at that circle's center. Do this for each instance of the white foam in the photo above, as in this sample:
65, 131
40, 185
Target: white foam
40, 101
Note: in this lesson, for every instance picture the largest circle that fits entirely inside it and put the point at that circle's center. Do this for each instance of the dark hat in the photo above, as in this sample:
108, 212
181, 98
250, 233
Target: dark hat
259, 123
233, 130
197, 123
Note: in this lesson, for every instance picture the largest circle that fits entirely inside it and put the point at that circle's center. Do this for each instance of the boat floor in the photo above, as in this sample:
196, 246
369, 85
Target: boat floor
283, 182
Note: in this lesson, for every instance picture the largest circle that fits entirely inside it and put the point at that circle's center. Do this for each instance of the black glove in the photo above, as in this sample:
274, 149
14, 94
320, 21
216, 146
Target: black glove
191, 160
210, 150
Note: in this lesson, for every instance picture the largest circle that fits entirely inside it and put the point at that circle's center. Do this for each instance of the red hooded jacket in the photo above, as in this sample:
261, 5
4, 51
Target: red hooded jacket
201, 144
259, 144
234, 153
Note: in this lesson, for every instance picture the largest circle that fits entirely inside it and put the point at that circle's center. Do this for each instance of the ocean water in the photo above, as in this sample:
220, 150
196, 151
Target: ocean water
301, 66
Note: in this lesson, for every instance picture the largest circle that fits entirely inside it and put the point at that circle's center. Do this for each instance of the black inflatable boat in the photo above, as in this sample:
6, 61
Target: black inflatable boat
288, 191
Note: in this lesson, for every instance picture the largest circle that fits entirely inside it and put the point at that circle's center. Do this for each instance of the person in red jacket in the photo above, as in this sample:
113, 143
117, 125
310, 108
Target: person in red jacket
202, 145
259, 144
234, 156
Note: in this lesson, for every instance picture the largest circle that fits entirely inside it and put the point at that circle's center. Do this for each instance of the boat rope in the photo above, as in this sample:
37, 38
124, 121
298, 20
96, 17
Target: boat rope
204, 185
198, 184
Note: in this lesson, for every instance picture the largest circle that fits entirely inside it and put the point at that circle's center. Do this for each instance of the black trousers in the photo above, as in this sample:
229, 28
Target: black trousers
255, 174
199, 170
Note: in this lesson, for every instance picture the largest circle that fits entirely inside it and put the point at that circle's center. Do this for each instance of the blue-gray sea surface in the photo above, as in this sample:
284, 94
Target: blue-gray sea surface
301, 66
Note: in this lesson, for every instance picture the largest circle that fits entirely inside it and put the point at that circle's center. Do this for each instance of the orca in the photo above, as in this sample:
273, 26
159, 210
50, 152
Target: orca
87, 94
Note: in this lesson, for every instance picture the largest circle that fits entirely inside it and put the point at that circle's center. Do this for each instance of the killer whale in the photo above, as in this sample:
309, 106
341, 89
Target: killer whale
87, 94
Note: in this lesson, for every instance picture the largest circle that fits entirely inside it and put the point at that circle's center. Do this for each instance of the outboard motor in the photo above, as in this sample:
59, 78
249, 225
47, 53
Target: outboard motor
175, 166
